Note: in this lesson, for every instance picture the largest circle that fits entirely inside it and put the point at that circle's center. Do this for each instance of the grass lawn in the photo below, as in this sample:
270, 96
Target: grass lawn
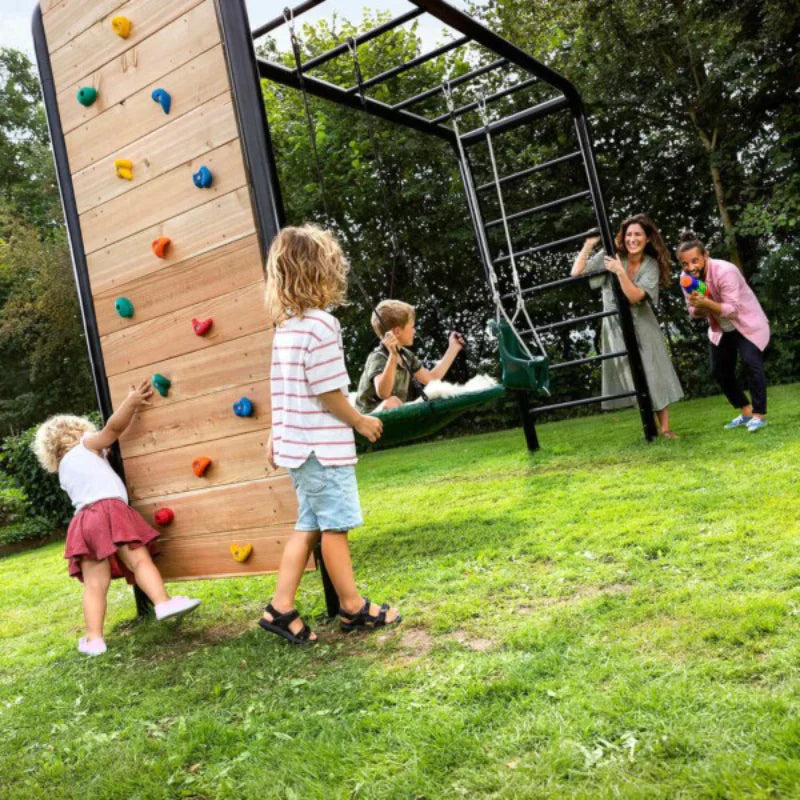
604, 618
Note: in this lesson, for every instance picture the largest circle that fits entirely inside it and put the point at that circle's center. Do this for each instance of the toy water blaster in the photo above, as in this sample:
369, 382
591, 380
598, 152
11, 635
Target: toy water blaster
691, 284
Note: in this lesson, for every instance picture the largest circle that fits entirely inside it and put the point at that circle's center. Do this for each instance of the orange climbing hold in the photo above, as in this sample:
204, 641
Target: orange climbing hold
164, 516
160, 246
200, 465
121, 26
202, 326
124, 168
241, 552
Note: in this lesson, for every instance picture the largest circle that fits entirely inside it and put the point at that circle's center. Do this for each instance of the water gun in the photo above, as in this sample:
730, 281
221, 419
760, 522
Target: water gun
691, 284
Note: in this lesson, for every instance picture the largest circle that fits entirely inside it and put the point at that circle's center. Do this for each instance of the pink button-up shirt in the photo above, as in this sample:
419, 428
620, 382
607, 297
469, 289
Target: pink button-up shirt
740, 306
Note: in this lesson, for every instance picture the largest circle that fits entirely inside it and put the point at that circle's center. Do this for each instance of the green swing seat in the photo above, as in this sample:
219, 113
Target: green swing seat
416, 420
519, 370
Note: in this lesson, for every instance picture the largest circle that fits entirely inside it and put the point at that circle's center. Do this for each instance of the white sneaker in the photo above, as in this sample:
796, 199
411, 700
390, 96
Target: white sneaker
94, 648
176, 607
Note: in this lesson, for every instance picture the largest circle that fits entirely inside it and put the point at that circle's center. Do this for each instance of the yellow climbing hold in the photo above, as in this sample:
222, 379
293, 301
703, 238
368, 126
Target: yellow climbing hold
121, 26
241, 552
124, 168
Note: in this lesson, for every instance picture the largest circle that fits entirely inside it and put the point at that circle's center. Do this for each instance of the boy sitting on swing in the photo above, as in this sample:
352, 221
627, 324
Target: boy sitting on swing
390, 368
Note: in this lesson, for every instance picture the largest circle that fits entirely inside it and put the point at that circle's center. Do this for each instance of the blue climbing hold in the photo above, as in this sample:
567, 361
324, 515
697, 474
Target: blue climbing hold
87, 95
202, 178
123, 307
243, 408
162, 97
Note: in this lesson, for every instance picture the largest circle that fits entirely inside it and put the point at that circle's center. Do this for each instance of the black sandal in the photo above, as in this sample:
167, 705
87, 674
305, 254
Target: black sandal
280, 625
363, 620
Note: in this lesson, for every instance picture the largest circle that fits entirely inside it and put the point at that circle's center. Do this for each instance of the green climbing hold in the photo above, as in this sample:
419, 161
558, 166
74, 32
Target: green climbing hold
87, 95
161, 384
123, 307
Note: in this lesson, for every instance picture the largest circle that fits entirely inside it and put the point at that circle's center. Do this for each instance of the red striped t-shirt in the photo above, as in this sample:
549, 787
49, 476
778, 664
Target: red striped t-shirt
308, 360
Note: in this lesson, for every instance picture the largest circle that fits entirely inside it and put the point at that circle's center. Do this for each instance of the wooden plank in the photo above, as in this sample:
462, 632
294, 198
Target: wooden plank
235, 315
243, 506
196, 232
199, 279
155, 57
98, 44
65, 19
234, 459
209, 417
167, 196
173, 145
194, 374
107, 129
210, 556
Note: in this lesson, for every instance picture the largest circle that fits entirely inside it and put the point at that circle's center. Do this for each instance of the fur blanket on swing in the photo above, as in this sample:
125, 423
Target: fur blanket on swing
436, 390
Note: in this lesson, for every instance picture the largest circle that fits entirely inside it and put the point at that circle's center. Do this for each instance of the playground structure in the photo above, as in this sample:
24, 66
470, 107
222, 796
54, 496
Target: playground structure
171, 197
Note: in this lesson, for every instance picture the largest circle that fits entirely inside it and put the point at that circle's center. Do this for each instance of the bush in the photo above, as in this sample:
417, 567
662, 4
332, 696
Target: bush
34, 528
45, 498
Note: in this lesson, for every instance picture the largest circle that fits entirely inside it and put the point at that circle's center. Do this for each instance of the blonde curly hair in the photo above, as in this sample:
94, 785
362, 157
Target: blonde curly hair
306, 269
56, 436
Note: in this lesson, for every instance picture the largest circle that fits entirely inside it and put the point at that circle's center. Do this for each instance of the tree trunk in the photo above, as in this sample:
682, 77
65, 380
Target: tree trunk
727, 222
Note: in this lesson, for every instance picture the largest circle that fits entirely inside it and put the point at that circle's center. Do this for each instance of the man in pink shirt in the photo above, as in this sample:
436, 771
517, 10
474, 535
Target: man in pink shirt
737, 325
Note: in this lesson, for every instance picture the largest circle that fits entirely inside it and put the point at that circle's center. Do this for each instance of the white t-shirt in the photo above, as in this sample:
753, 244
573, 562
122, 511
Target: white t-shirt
308, 360
87, 477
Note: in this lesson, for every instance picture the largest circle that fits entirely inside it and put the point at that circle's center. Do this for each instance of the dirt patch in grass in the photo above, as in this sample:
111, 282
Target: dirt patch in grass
580, 594
478, 644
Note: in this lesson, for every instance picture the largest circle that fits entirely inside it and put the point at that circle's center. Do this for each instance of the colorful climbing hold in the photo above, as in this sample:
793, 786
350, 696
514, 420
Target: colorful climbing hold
164, 516
160, 246
243, 408
87, 95
123, 307
161, 384
121, 26
162, 97
203, 178
124, 168
200, 465
241, 552
202, 326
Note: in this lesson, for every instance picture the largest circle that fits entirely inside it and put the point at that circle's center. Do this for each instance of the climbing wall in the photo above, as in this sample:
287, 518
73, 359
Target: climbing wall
175, 271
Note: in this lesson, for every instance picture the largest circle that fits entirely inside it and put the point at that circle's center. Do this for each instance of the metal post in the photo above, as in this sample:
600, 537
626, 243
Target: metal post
527, 418
331, 598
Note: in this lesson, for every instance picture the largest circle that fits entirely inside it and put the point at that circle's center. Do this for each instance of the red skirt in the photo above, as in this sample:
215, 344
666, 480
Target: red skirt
98, 529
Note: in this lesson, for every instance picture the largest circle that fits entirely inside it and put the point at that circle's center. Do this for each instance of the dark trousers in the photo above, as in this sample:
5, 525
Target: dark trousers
723, 368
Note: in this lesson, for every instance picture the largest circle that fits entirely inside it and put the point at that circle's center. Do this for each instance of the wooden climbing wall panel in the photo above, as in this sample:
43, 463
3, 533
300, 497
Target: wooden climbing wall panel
213, 268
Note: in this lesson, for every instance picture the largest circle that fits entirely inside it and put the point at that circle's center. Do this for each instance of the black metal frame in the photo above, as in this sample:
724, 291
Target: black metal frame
569, 100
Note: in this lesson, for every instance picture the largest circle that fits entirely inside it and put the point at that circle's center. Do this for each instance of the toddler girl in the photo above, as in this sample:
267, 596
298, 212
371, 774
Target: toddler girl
106, 538
312, 427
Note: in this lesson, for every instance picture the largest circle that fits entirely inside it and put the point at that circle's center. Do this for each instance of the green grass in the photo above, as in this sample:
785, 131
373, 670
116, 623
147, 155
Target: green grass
604, 618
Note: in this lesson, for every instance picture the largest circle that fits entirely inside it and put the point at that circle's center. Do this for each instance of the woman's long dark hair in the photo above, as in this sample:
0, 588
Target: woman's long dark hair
655, 246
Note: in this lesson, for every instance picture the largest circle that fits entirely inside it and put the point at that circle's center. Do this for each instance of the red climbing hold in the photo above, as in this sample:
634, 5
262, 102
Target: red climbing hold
160, 246
200, 465
202, 326
164, 516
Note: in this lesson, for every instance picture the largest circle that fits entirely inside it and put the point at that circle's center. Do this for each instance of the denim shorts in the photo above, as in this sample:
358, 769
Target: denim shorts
327, 497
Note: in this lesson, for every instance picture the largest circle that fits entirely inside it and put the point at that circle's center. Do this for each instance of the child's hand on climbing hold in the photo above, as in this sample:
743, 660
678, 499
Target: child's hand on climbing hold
370, 428
140, 395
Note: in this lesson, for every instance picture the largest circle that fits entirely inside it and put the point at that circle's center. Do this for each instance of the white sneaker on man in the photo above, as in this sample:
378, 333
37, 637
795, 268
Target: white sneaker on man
176, 607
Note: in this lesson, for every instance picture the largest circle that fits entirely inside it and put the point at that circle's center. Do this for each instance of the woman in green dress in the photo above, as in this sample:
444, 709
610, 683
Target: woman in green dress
642, 262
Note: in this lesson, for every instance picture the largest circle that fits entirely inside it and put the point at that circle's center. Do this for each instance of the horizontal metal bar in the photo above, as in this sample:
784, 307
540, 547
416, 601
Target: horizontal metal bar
550, 285
529, 171
362, 38
589, 359
467, 76
536, 209
415, 62
564, 323
585, 401
496, 96
551, 106
281, 20
549, 246
328, 91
